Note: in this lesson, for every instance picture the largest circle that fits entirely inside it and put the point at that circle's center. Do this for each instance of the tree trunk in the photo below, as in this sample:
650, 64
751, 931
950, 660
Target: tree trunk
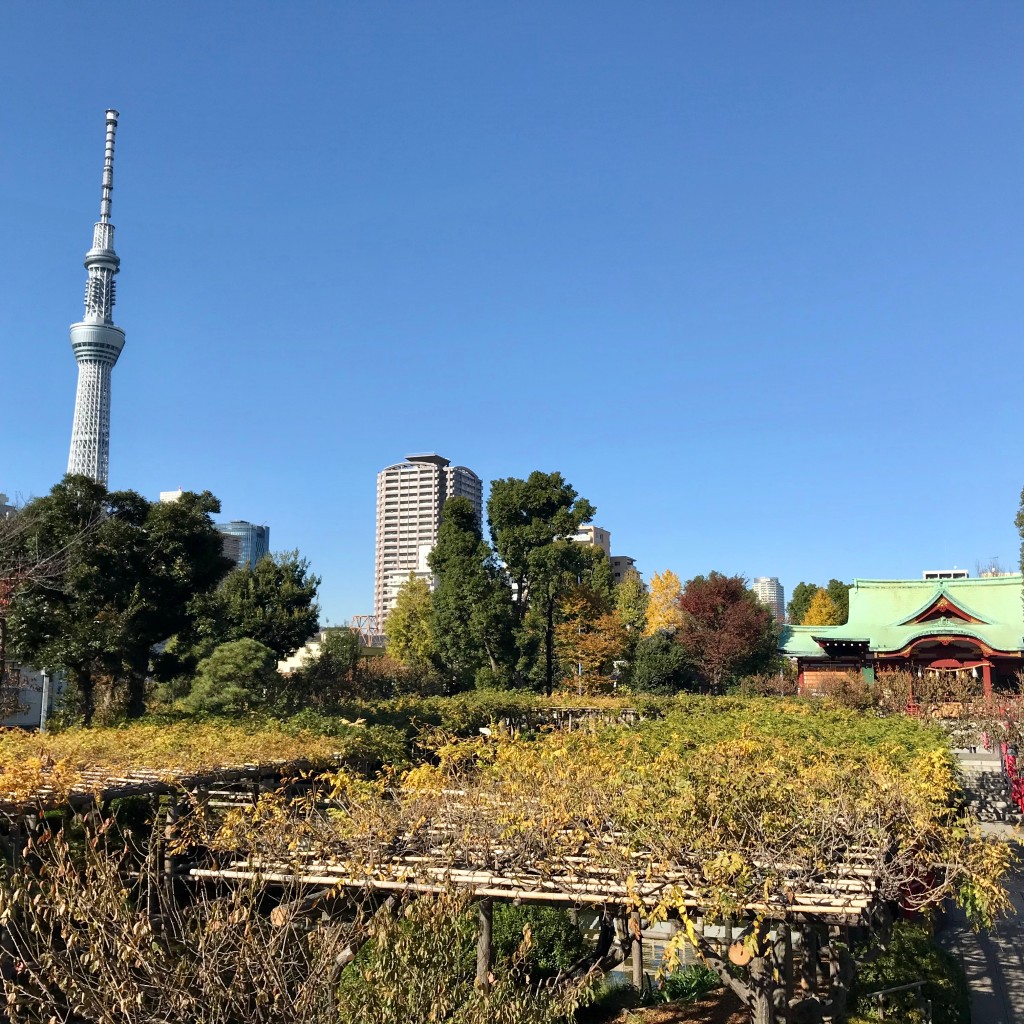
762, 1005
136, 706
87, 691
549, 647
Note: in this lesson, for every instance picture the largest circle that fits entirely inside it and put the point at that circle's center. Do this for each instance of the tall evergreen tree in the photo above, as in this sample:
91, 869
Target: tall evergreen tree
472, 604
273, 602
532, 522
800, 601
839, 592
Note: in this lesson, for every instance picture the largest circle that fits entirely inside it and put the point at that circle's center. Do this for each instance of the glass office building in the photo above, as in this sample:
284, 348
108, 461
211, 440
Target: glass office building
245, 542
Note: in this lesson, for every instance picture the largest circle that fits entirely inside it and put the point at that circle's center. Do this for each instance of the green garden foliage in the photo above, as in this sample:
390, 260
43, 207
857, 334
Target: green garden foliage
689, 984
912, 954
240, 675
660, 666
556, 942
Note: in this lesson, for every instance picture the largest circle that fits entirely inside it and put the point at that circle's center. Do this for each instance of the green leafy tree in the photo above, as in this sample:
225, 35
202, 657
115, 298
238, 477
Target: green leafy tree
133, 570
238, 676
800, 601
660, 666
273, 602
409, 624
803, 594
531, 523
631, 599
726, 631
839, 592
472, 606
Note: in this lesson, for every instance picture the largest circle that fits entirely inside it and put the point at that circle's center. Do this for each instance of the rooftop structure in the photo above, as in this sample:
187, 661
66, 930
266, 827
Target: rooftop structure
96, 341
936, 626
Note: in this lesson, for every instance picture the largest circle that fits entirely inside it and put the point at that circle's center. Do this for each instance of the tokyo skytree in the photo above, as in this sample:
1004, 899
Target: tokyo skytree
96, 341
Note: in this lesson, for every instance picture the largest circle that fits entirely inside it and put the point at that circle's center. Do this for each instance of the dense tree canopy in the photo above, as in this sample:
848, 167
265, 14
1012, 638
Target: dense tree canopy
132, 571
532, 522
660, 665
273, 602
472, 604
589, 637
410, 624
839, 592
726, 630
239, 675
803, 594
800, 601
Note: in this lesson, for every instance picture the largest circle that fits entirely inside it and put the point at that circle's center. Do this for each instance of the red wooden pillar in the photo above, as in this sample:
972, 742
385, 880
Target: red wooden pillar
986, 679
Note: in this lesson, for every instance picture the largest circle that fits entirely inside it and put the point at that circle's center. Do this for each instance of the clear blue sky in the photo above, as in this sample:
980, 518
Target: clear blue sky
749, 275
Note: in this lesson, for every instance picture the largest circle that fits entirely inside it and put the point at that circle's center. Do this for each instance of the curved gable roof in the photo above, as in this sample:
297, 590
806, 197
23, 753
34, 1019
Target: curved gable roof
887, 614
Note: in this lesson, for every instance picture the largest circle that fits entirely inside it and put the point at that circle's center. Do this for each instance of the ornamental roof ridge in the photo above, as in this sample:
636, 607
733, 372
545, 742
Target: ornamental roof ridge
1014, 578
939, 595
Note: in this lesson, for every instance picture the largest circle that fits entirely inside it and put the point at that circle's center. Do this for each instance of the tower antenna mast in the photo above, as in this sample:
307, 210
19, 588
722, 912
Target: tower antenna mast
96, 340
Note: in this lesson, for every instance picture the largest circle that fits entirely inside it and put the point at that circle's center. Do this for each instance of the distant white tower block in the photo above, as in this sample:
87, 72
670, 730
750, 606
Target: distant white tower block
96, 341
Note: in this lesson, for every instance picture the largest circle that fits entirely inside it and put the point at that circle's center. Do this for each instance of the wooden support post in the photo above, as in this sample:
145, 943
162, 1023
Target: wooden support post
170, 861
809, 958
637, 949
485, 924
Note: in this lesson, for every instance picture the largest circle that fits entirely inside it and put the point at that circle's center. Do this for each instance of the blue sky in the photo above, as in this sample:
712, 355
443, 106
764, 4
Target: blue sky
749, 275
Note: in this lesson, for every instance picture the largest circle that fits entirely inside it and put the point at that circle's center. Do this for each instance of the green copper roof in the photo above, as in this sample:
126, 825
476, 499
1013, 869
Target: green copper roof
882, 613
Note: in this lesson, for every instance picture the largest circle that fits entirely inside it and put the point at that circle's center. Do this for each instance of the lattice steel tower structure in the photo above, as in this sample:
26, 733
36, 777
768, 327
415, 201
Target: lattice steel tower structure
96, 341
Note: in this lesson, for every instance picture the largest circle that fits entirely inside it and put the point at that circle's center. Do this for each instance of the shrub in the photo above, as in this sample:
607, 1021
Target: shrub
913, 955
688, 984
660, 666
556, 940
237, 676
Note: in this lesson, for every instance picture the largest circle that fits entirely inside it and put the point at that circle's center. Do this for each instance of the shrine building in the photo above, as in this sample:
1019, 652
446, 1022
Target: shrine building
930, 625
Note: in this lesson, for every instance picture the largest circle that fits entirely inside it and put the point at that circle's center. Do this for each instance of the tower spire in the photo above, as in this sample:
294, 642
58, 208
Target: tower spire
96, 341
108, 167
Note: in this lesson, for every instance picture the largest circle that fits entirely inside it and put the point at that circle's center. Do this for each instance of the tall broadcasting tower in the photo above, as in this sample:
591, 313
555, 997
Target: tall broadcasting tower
96, 341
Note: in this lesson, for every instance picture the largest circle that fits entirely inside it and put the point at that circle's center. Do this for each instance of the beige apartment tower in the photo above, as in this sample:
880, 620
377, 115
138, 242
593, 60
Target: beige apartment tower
410, 496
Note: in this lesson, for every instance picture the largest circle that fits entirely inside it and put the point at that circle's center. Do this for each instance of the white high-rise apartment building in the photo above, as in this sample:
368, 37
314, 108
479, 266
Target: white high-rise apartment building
770, 592
410, 496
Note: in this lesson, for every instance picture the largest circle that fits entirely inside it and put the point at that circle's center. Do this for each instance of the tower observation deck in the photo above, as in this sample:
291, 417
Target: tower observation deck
96, 341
